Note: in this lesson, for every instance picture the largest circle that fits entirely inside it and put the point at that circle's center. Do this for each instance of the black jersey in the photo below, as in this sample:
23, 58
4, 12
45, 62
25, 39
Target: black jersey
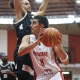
22, 28
4, 75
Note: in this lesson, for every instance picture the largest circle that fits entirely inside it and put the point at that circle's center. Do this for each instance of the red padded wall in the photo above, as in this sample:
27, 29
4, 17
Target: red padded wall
11, 43
74, 41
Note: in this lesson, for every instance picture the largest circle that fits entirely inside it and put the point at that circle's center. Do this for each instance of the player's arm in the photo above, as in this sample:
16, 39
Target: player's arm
25, 47
42, 8
12, 73
60, 52
18, 9
62, 55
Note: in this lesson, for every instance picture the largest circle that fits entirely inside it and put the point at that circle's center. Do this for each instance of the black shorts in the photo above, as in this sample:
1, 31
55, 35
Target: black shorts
25, 77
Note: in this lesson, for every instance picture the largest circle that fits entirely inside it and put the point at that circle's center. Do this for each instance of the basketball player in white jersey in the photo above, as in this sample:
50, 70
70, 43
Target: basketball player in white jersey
44, 58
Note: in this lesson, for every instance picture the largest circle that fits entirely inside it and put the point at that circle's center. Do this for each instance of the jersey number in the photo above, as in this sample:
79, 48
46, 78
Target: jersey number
42, 63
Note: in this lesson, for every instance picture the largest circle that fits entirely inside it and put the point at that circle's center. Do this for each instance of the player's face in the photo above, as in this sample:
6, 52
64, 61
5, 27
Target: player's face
26, 5
35, 27
4, 58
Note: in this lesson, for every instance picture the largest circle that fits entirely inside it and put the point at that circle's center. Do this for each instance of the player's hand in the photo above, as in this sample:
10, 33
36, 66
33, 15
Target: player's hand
40, 34
8, 72
59, 44
59, 41
28, 69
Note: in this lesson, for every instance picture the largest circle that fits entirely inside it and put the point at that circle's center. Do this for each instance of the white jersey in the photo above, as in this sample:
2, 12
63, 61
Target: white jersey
44, 60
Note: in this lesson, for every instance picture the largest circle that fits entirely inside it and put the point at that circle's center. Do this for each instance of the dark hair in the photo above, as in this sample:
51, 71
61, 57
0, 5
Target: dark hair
11, 4
42, 20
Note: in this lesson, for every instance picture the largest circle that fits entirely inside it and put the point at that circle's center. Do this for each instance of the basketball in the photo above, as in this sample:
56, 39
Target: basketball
50, 37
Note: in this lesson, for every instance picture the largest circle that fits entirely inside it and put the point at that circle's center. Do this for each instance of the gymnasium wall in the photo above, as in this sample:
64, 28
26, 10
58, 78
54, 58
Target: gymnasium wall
3, 41
68, 77
74, 41
12, 40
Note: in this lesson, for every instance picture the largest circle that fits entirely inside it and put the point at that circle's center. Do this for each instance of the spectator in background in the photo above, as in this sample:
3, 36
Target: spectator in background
7, 69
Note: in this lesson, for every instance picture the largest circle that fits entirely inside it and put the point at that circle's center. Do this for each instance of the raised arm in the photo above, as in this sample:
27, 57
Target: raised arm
42, 8
17, 6
19, 10
25, 47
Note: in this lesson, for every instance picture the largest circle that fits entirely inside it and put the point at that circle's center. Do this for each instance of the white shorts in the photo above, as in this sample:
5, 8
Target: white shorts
58, 76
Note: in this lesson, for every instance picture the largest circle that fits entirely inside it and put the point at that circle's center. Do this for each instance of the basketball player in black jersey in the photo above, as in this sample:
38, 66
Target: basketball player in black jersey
21, 24
7, 69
